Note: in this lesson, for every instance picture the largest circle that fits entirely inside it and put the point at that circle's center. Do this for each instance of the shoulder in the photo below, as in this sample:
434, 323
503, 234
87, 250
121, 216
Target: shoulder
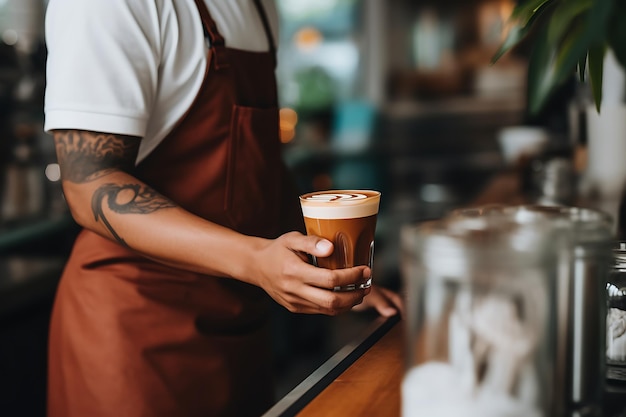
114, 47
76, 11
85, 16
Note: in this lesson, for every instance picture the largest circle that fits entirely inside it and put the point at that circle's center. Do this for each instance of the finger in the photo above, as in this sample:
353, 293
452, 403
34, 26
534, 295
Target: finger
299, 305
313, 245
332, 279
309, 274
335, 302
392, 297
396, 300
380, 304
385, 309
314, 300
386, 302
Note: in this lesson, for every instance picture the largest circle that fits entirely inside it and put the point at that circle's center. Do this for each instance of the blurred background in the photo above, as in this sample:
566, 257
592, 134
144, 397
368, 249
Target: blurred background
394, 95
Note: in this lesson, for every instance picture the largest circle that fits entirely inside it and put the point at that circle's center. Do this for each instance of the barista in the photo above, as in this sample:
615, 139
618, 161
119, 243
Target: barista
165, 118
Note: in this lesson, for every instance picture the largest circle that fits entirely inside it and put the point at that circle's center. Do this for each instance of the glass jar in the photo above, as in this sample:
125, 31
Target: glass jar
616, 317
562, 252
480, 317
584, 265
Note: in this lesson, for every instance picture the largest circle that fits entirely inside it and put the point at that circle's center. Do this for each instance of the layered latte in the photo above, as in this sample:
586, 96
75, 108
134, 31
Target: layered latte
347, 218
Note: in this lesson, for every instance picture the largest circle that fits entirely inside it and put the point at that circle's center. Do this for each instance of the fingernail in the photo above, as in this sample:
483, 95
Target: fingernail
323, 246
388, 312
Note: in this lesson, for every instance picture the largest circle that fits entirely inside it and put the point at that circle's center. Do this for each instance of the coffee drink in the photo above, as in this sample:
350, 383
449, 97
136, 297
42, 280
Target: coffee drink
347, 218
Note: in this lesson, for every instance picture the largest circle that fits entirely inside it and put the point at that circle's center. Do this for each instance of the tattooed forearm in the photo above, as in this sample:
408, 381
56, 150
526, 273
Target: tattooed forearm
124, 199
85, 156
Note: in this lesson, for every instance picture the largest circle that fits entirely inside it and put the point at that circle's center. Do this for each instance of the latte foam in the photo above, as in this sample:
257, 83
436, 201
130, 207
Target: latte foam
340, 204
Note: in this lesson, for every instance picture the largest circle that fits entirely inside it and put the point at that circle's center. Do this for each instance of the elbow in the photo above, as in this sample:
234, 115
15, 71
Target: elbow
79, 217
78, 205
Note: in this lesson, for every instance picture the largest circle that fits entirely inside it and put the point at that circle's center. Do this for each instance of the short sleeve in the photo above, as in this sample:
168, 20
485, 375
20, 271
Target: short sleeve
102, 65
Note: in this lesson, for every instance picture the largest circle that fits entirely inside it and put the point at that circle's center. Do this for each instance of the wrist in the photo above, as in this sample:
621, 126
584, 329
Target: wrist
245, 259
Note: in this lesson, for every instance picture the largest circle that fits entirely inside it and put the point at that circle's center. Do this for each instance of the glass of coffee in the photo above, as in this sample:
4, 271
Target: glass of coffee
347, 218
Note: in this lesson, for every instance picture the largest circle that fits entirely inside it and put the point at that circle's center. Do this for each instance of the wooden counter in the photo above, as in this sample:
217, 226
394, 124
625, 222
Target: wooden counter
370, 387
361, 379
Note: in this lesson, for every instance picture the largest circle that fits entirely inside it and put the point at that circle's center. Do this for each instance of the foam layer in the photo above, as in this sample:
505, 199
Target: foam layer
340, 204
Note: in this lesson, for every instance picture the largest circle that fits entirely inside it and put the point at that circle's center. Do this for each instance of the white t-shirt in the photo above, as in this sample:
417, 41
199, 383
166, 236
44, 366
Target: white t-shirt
133, 67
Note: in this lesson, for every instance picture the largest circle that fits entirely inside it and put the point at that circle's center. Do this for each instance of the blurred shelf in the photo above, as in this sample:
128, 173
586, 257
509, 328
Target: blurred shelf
32, 255
470, 105
31, 233
25, 281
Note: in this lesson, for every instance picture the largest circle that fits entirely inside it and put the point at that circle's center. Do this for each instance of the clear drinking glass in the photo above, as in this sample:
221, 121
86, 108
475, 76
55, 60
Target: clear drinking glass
347, 218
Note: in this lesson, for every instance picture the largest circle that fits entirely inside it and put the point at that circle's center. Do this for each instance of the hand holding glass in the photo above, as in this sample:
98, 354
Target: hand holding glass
347, 218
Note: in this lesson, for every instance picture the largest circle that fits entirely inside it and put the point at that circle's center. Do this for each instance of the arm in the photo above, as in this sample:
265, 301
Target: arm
105, 197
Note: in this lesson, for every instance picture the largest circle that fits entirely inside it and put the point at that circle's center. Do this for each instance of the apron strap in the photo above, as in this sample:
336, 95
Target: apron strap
217, 40
209, 25
266, 25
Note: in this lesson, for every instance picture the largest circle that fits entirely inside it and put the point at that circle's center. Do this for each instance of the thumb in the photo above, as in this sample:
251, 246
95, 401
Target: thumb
323, 248
314, 245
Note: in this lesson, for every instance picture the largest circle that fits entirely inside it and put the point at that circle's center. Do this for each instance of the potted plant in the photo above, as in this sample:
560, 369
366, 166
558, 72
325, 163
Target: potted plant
587, 39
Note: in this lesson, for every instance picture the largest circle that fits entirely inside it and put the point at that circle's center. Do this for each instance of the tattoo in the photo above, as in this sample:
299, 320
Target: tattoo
85, 156
125, 199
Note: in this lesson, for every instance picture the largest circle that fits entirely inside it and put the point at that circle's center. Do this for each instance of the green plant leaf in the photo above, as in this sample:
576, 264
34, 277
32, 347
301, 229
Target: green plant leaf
590, 31
617, 32
596, 65
552, 64
541, 73
526, 10
582, 68
519, 28
573, 48
515, 35
563, 16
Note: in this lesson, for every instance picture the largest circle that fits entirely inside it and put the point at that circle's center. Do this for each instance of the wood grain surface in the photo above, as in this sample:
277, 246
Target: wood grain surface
370, 387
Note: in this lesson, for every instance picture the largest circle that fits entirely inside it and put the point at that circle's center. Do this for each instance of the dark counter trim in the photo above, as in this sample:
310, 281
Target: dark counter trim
26, 281
35, 230
307, 390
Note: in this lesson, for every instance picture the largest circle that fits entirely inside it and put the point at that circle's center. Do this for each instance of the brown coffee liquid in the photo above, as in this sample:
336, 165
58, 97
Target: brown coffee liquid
353, 240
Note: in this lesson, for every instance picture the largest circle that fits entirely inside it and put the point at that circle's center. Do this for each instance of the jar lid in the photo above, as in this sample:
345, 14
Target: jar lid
619, 253
457, 244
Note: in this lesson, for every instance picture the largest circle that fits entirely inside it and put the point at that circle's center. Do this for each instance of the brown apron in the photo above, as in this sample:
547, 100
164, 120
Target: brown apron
131, 337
